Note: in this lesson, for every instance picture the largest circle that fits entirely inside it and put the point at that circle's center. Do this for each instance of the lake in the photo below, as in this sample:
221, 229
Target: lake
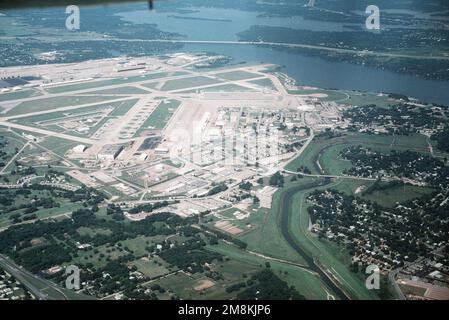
200, 25
209, 23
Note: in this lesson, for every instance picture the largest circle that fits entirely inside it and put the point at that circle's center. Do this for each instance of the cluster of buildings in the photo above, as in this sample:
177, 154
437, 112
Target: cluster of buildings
426, 279
11, 289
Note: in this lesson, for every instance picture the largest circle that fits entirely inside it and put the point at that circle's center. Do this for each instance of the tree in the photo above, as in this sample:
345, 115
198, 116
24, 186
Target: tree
277, 179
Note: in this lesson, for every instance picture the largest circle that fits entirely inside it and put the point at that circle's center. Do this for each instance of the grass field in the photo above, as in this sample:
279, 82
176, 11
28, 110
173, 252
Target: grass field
98, 256
122, 90
237, 75
92, 232
305, 282
233, 270
386, 198
326, 150
137, 245
271, 241
120, 108
57, 145
153, 267
188, 83
159, 118
111, 82
390, 197
267, 83
221, 88
66, 207
362, 99
228, 214
331, 95
55, 102
22, 94
13, 142
183, 286
266, 237
330, 255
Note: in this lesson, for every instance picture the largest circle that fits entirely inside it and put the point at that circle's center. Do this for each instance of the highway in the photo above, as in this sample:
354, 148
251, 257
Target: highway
293, 45
24, 277
253, 43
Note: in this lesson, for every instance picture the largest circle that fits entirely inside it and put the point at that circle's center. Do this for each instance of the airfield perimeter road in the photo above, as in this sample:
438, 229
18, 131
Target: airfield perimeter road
26, 279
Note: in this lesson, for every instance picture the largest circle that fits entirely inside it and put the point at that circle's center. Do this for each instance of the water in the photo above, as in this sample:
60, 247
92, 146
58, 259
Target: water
225, 24
307, 70
313, 71
235, 21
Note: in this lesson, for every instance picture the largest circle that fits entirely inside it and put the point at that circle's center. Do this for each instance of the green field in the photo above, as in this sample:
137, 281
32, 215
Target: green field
188, 83
221, 88
92, 232
99, 256
121, 108
137, 245
390, 197
66, 207
184, 285
305, 282
326, 151
329, 254
267, 83
111, 82
57, 145
153, 267
56, 102
332, 256
22, 94
331, 95
362, 99
237, 75
266, 237
159, 118
122, 90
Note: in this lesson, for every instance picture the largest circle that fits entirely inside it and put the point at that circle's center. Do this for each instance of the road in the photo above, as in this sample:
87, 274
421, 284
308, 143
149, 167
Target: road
254, 43
23, 277
304, 147
334, 176
304, 267
14, 157
47, 132
392, 280
295, 45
